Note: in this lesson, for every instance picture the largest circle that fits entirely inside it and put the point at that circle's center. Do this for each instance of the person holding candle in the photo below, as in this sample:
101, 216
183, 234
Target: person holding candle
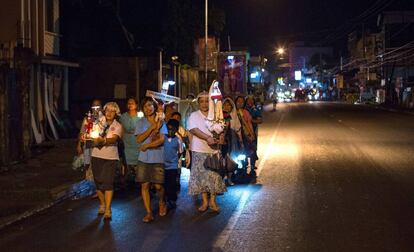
105, 158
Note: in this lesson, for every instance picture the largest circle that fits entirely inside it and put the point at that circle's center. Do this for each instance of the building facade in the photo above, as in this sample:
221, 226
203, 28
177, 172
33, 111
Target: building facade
34, 78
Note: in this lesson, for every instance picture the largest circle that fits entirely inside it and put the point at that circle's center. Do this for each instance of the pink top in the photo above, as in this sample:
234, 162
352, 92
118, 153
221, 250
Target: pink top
246, 116
246, 122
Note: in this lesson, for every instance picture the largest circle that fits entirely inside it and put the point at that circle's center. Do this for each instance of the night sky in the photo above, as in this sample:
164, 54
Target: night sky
257, 25
261, 23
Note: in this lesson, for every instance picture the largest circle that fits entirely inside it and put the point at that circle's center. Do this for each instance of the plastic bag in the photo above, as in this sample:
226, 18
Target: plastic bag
78, 162
89, 174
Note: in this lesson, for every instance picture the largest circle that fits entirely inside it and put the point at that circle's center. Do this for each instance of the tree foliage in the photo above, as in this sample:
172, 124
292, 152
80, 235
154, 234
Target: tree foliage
101, 26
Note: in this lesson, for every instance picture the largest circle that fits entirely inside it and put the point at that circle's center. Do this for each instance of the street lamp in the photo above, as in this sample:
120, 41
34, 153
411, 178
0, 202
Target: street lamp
205, 43
176, 68
281, 52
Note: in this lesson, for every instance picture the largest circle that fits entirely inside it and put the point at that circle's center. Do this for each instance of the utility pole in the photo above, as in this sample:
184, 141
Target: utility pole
205, 44
160, 72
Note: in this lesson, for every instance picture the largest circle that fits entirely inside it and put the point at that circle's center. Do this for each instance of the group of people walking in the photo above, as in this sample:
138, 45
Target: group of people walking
153, 146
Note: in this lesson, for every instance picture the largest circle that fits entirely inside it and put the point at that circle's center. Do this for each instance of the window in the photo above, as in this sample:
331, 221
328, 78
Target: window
50, 17
120, 91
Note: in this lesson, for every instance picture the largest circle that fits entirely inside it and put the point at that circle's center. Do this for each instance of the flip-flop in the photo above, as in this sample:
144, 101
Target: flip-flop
101, 210
203, 209
108, 215
163, 210
215, 209
148, 218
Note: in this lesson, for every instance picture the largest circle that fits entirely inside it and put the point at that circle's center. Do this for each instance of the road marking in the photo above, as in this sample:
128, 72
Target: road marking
269, 150
223, 237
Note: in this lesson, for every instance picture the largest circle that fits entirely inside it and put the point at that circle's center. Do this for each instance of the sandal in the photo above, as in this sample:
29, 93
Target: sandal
163, 209
148, 218
108, 215
215, 209
101, 210
203, 208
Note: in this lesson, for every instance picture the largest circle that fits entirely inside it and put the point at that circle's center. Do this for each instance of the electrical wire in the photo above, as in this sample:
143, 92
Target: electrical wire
346, 28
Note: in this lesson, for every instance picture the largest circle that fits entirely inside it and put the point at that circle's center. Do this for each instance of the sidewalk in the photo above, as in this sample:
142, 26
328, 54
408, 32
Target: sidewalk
37, 184
390, 108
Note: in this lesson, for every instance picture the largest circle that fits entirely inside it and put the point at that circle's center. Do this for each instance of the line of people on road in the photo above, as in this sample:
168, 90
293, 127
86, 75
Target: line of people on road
153, 146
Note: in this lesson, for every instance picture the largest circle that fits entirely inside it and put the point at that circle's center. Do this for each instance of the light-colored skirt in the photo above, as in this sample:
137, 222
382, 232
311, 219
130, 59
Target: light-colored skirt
203, 180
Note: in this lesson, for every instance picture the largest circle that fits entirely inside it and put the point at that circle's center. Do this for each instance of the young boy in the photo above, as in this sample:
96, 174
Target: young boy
183, 135
172, 151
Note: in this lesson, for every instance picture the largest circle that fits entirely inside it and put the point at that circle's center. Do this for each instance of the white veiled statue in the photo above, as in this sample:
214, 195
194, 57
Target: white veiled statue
215, 120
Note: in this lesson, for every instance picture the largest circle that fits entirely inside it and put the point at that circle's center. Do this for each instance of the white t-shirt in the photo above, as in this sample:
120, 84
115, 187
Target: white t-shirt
109, 152
198, 120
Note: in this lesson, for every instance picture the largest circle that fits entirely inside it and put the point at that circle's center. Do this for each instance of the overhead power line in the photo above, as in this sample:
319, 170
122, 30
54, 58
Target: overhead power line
346, 28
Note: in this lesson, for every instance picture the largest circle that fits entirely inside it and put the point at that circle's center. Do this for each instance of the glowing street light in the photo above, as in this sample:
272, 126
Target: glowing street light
281, 50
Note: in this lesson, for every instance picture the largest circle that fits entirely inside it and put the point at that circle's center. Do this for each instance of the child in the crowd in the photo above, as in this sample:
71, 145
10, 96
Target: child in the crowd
183, 134
172, 151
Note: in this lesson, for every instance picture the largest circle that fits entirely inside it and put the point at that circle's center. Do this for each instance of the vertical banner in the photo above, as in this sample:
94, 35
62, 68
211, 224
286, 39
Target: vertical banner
232, 73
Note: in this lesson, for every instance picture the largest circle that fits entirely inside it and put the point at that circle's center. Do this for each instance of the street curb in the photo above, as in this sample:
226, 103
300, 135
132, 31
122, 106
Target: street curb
387, 109
59, 194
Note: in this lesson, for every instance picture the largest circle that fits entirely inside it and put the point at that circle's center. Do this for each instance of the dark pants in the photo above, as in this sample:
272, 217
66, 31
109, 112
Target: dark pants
170, 184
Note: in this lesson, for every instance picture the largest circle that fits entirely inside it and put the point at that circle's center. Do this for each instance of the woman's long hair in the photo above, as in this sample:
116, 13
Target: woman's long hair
235, 122
240, 97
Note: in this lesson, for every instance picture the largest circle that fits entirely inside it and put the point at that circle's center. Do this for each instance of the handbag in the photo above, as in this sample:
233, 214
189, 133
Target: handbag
213, 162
77, 162
231, 166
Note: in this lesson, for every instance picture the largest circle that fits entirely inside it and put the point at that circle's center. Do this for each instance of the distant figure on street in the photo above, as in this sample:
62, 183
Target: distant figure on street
274, 100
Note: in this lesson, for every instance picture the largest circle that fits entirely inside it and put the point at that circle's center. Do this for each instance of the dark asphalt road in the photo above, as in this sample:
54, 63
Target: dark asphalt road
332, 177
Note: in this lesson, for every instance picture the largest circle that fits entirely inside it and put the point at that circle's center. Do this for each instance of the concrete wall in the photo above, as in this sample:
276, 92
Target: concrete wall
24, 22
97, 77
9, 19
